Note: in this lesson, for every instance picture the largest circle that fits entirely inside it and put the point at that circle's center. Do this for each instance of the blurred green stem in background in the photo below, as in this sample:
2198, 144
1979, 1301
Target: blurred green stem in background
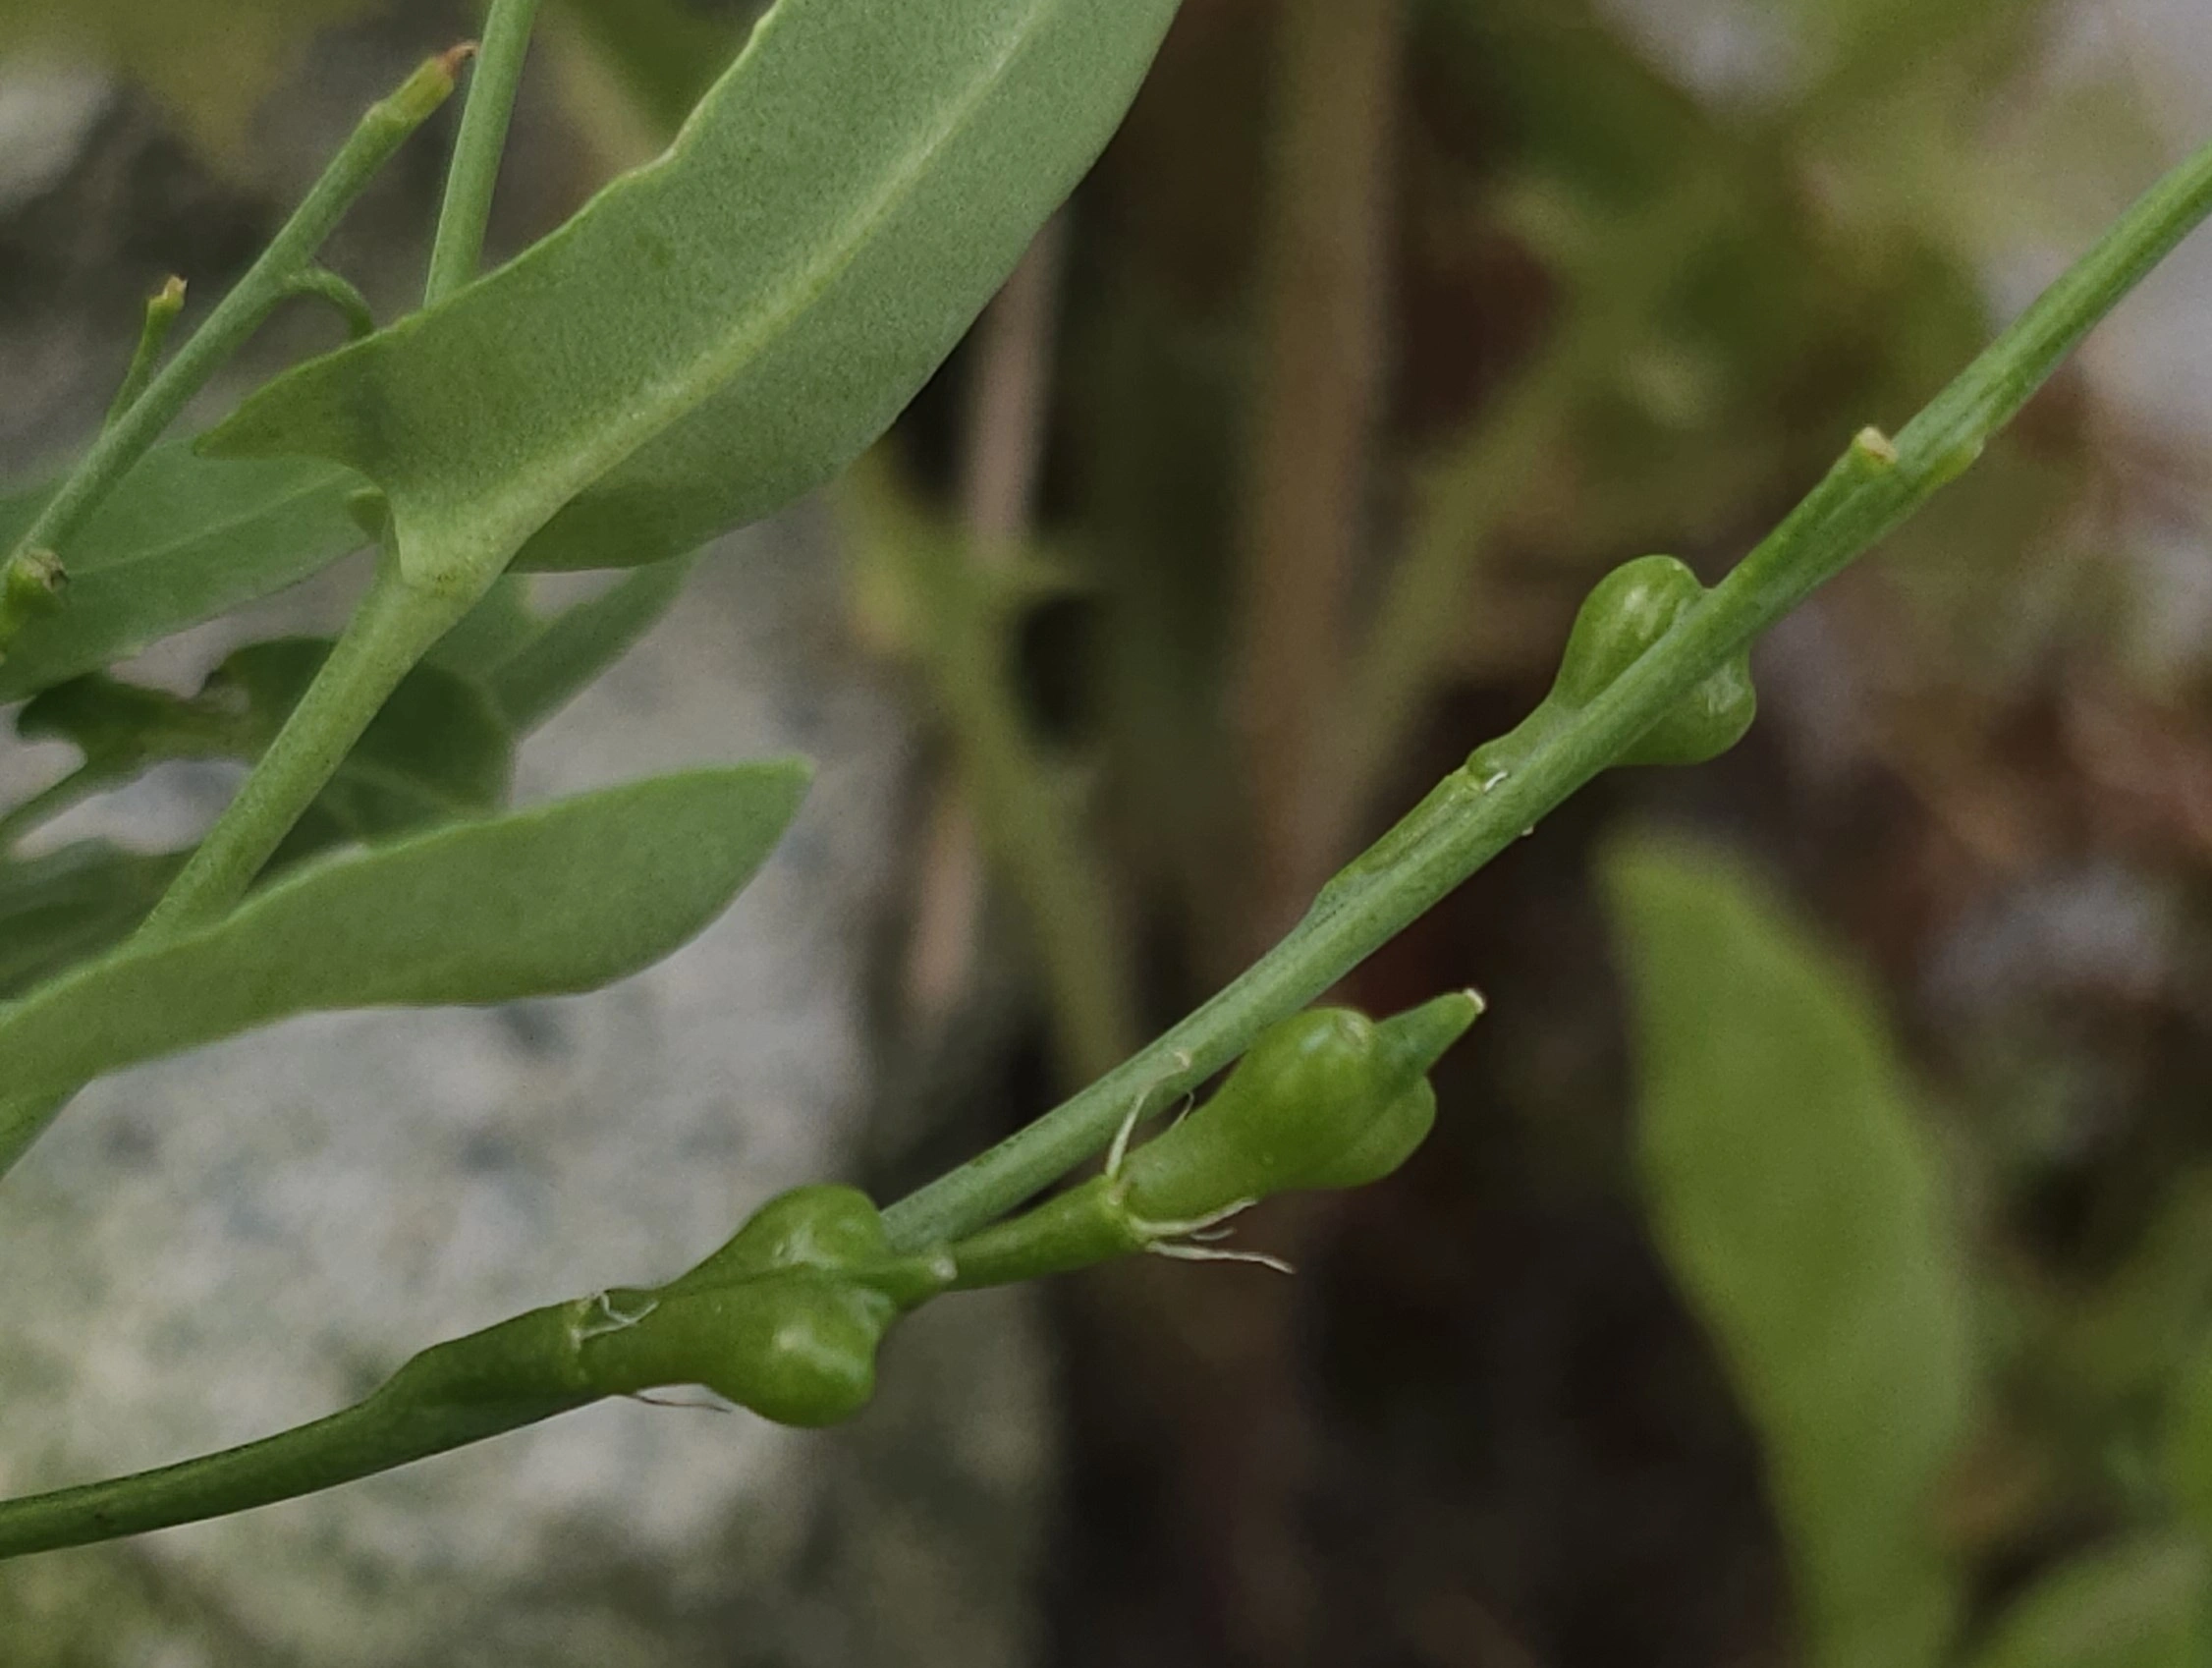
1465, 821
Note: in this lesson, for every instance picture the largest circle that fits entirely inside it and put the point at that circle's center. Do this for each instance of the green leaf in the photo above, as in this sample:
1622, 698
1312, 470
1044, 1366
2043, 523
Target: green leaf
726, 328
561, 898
500, 625
57, 909
2142, 1605
662, 53
121, 728
437, 749
1801, 1211
181, 540
574, 647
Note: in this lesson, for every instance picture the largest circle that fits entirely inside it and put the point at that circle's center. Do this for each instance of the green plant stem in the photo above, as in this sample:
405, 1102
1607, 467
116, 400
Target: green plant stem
1324, 276
520, 1371
394, 625
1467, 493
464, 1391
1030, 824
163, 309
355, 1442
268, 281
1465, 821
320, 283
477, 151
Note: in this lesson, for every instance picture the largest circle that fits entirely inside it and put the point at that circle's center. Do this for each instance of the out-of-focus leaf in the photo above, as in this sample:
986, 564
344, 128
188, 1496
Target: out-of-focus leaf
488, 634
1801, 1211
661, 55
576, 646
437, 750
57, 909
561, 898
210, 61
2188, 1441
726, 328
2135, 1332
2141, 1605
183, 539
121, 728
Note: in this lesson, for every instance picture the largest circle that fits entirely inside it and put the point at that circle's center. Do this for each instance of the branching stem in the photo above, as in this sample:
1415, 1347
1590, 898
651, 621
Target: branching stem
289, 255
1465, 823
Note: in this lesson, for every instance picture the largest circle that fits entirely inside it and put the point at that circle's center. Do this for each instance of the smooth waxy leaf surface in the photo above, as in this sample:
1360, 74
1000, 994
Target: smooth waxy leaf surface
183, 539
1800, 1210
724, 328
558, 899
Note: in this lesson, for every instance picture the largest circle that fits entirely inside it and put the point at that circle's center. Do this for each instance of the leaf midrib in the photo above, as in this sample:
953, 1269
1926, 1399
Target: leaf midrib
206, 531
715, 370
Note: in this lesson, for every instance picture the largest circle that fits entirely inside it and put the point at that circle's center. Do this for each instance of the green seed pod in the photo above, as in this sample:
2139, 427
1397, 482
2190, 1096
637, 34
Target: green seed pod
1325, 1099
824, 1227
1625, 613
796, 1346
1387, 1142
785, 1318
1318, 1101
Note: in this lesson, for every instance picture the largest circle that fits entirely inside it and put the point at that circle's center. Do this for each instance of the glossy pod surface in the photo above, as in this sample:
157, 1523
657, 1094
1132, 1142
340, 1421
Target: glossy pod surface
1626, 614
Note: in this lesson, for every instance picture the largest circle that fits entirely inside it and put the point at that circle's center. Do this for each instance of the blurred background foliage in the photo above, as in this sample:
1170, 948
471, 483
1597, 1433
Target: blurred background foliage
1814, 1259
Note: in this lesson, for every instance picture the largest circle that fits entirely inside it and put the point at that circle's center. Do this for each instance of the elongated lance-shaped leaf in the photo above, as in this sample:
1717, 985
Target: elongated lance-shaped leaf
183, 539
727, 327
1801, 1208
561, 898
571, 649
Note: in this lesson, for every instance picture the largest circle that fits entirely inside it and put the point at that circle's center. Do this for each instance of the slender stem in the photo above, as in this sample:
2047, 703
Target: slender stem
1465, 823
1306, 497
1031, 832
1031, 827
465, 1390
393, 628
1466, 495
356, 1442
126, 440
320, 283
532, 1367
477, 151
163, 309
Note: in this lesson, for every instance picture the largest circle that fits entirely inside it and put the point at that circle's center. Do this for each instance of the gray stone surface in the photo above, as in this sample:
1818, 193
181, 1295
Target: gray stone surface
214, 1247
